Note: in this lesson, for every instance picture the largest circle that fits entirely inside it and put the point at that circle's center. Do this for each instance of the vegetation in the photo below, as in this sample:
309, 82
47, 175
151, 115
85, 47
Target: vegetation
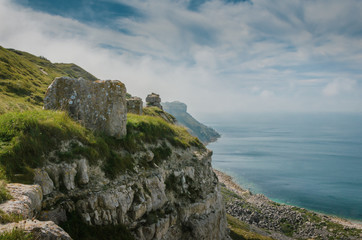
79, 230
151, 129
178, 110
16, 234
157, 112
27, 137
74, 71
4, 193
24, 79
7, 218
241, 231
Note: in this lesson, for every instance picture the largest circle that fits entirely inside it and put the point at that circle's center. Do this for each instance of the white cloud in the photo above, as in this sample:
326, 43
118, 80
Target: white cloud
223, 57
336, 87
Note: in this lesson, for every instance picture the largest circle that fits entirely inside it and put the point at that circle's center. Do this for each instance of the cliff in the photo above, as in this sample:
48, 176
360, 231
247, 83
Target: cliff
153, 181
179, 111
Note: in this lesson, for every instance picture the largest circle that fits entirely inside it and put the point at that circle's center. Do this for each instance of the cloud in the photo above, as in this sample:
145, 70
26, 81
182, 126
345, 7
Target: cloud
217, 56
336, 87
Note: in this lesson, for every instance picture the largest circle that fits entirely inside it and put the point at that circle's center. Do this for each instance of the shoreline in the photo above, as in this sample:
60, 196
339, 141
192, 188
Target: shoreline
229, 183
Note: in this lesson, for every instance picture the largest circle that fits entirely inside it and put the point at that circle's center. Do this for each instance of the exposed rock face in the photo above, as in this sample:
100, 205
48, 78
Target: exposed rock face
99, 105
153, 100
26, 202
41, 230
179, 111
178, 198
134, 105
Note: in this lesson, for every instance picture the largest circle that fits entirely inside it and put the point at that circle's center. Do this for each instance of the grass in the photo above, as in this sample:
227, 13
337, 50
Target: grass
16, 234
7, 218
157, 112
4, 193
24, 79
26, 138
151, 129
241, 231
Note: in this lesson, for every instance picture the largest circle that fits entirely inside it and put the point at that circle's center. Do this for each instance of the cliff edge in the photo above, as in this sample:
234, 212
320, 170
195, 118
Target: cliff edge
197, 129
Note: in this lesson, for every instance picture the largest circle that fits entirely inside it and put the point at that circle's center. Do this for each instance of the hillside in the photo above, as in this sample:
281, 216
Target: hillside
24, 78
155, 182
179, 111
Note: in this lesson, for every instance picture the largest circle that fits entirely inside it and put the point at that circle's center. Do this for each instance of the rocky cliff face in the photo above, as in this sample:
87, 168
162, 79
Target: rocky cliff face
99, 105
179, 110
176, 197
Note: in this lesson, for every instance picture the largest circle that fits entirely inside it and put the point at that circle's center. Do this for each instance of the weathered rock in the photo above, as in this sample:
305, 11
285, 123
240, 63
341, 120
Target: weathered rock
57, 215
134, 105
41, 230
42, 178
68, 173
176, 199
26, 200
82, 172
99, 105
153, 100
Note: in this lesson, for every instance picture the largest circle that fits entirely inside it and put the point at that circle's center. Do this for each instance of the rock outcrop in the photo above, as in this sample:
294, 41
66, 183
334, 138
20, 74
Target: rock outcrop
99, 105
153, 100
26, 204
134, 105
179, 111
177, 197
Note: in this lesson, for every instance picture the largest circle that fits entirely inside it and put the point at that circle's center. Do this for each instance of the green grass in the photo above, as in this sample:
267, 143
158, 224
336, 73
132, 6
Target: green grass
241, 231
7, 218
157, 112
24, 79
4, 193
16, 234
26, 138
151, 129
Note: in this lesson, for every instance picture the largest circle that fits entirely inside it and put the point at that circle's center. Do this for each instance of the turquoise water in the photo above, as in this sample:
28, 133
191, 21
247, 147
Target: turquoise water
309, 160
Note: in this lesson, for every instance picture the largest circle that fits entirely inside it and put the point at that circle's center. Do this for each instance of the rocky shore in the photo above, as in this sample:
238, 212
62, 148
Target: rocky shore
281, 221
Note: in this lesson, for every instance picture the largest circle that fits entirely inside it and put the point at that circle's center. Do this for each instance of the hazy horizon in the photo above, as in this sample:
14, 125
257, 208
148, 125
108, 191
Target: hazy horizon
217, 56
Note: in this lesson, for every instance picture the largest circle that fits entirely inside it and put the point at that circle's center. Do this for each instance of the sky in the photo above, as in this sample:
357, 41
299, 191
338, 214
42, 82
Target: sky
217, 56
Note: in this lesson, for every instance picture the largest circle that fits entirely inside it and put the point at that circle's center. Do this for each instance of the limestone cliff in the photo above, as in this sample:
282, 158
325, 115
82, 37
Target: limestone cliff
155, 183
179, 110
174, 197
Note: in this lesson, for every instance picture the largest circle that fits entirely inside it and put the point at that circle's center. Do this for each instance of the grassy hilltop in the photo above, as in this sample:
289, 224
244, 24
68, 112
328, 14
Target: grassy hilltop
24, 79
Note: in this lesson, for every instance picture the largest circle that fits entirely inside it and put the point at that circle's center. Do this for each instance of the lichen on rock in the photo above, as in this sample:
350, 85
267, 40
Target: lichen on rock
99, 105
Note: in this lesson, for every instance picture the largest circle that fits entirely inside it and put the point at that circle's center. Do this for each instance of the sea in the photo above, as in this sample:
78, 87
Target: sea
313, 161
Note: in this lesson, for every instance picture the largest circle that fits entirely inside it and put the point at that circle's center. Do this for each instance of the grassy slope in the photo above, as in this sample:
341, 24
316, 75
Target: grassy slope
24, 79
203, 132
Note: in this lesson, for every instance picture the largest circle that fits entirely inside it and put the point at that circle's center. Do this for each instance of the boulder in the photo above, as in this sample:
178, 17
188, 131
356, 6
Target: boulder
135, 105
153, 100
42, 178
47, 230
27, 200
98, 105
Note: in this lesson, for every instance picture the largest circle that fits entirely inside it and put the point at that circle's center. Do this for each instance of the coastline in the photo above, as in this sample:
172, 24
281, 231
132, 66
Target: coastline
247, 203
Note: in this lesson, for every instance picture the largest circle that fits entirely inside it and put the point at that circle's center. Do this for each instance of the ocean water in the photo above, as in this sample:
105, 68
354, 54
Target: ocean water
312, 161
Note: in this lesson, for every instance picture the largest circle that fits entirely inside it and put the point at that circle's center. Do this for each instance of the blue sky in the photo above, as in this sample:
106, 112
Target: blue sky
218, 56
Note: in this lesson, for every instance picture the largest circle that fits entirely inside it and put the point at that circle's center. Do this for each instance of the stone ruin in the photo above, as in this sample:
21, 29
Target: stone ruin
98, 105
153, 100
135, 105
